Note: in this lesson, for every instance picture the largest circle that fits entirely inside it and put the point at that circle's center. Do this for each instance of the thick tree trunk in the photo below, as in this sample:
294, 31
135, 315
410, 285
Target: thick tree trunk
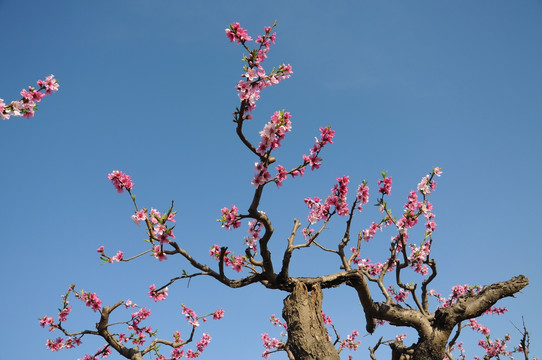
307, 336
433, 347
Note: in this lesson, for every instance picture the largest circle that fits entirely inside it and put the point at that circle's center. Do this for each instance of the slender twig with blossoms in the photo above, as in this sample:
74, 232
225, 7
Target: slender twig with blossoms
27, 105
384, 299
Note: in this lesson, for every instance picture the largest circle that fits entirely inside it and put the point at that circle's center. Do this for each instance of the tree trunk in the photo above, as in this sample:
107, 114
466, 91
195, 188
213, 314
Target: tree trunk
307, 336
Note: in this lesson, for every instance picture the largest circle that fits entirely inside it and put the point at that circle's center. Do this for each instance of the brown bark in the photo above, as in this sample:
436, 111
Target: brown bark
307, 336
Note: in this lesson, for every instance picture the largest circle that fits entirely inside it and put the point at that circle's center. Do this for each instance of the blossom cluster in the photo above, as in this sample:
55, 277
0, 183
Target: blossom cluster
230, 218
255, 76
235, 262
366, 265
350, 342
484, 330
337, 199
190, 316
386, 182
326, 319
27, 105
418, 256
90, 299
254, 228
159, 229
120, 181
270, 345
326, 137
61, 343
157, 295
369, 233
457, 291
494, 348
362, 195
400, 296
139, 333
273, 344
274, 131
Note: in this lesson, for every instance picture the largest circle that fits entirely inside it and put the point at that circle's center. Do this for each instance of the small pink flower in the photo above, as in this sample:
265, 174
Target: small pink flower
139, 216
118, 257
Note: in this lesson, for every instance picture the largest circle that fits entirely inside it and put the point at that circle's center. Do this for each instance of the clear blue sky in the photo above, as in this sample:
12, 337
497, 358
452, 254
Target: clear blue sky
147, 87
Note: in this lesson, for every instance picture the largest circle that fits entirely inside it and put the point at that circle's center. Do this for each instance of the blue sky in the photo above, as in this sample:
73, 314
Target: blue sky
147, 87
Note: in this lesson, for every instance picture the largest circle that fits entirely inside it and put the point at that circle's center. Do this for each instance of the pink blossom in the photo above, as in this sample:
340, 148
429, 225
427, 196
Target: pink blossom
191, 316
47, 320
63, 314
157, 295
118, 257
370, 233
386, 185
171, 217
274, 131
50, 84
91, 300
261, 176
158, 253
254, 234
318, 211
218, 314
424, 185
237, 263
237, 33
350, 341
55, 345
27, 106
204, 341
281, 175
120, 180
230, 218
139, 216
327, 320
362, 195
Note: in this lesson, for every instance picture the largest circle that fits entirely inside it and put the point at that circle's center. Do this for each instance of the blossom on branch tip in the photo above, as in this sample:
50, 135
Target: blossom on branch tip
120, 181
90, 300
236, 33
218, 314
386, 185
26, 106
118, 257
362, 195
230, 218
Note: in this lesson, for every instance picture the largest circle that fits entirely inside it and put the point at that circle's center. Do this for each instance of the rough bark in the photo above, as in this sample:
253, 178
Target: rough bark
307, 335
